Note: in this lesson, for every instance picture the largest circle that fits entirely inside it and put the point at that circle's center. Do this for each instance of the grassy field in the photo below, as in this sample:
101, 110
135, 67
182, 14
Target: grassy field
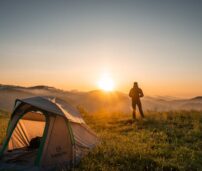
3, 124
162, 141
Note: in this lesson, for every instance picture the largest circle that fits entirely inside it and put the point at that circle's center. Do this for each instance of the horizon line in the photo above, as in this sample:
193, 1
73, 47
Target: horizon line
83, 91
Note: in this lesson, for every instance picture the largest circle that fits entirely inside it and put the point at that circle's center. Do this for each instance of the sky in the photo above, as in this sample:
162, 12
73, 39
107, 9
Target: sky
72, 44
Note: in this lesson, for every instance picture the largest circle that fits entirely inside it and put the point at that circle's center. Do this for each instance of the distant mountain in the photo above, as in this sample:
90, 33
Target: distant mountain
197, 98
41, 87
96, 101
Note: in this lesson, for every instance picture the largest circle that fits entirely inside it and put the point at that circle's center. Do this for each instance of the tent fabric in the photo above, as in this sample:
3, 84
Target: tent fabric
56, 106
83, 136
65, 137
59, 148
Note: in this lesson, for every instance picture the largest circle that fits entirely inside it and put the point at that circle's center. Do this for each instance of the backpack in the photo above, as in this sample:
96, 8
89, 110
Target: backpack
34, 143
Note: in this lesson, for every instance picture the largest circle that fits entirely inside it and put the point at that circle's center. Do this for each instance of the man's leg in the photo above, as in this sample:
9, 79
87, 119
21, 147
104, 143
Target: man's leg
134, 110
134, 113
140, 108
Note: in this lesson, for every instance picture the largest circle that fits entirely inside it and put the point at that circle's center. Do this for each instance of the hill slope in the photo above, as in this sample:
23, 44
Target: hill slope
163, 141
96, 101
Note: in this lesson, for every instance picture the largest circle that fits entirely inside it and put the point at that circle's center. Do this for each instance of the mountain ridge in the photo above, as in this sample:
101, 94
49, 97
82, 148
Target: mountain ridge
97, 101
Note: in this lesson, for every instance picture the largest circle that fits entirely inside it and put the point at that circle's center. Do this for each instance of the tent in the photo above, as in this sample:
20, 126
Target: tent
45, 134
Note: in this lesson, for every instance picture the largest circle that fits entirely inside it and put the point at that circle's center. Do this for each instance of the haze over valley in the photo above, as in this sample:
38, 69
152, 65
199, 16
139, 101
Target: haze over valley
97, 101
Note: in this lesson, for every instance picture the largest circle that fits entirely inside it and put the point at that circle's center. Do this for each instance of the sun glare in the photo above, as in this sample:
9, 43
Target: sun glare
106, 83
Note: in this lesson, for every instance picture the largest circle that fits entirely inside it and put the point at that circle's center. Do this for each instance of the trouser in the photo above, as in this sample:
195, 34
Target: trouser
139, 104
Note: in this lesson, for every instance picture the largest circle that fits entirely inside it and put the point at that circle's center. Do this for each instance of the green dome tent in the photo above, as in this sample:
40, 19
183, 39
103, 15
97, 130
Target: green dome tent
45, 134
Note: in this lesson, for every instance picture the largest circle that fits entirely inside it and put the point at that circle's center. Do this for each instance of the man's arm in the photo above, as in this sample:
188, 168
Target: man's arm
141, 93
131, 93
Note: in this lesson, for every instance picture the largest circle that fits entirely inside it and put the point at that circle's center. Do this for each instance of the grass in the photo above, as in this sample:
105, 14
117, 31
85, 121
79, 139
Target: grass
162, 141
3, 124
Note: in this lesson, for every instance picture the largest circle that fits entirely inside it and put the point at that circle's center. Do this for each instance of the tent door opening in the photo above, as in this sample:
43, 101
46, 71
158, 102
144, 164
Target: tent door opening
26, 138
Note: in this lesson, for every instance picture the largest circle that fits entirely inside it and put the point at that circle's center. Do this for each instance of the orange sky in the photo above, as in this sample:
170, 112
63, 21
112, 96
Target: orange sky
70, 45
150, 87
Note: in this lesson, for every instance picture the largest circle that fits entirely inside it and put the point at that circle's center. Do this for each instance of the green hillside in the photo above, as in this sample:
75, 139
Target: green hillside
162, 141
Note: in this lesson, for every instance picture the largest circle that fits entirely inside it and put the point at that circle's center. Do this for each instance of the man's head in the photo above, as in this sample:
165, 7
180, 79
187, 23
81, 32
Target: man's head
135, 84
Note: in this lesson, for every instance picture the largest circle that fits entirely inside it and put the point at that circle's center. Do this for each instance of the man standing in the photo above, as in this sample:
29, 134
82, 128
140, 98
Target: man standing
136, 93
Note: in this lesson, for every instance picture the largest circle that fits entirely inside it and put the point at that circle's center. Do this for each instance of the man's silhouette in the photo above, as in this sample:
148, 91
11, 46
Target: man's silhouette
136, 93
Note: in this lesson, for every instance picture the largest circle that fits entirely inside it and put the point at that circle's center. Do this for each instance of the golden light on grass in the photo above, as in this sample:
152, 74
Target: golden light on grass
106, 83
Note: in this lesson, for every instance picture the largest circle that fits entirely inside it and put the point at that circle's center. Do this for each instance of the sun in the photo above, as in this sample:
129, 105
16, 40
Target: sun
106, 83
